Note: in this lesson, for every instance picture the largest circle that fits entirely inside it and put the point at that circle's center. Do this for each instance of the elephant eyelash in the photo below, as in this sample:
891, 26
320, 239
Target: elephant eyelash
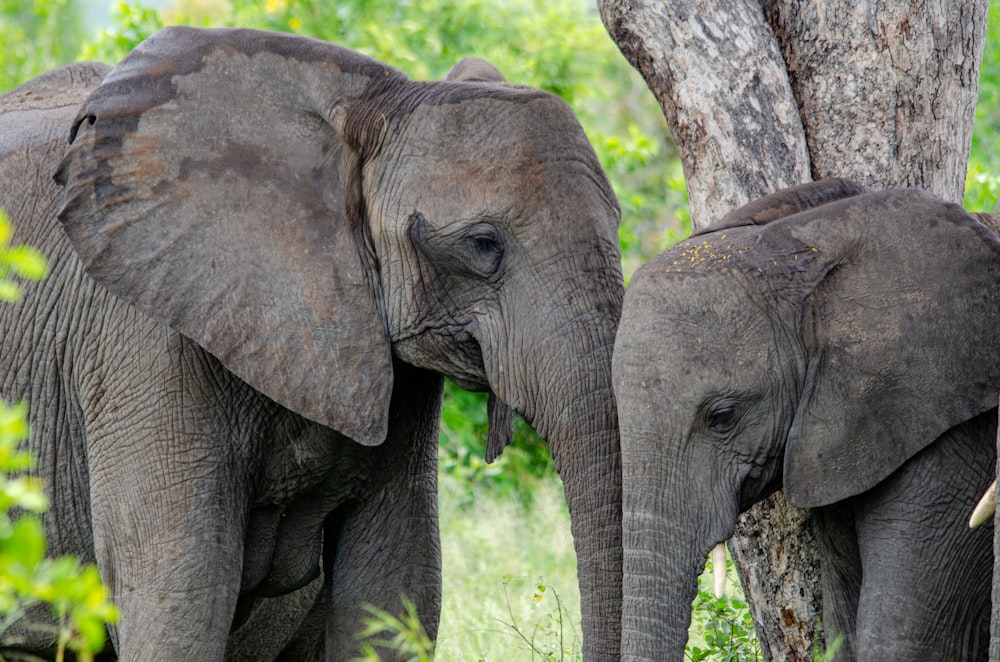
721, 420
488, 246
722, 415
484, 249
477, 251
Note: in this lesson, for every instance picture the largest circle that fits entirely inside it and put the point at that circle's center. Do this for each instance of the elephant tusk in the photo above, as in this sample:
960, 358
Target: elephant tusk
984, 510
719, 569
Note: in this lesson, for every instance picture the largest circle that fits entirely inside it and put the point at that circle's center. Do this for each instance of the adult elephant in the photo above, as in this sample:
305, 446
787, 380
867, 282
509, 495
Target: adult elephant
840, 344
268, 251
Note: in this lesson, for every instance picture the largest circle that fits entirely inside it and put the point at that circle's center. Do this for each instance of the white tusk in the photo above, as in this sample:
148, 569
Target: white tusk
984, 510
719, 569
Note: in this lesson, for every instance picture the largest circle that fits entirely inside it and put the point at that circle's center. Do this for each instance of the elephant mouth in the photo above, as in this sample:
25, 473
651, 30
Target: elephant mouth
469, 371
474, 385
456, 355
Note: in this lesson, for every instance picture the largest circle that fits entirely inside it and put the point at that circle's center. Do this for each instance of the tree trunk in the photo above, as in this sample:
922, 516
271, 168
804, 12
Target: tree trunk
887, 90
761, 94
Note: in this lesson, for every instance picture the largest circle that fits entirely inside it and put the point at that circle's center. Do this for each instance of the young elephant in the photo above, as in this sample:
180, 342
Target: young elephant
270, 250
841, 344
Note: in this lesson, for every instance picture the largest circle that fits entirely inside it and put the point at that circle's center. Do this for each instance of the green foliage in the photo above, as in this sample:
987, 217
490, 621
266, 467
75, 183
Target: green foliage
22, 261
36, 35
78, 599
982, 187
826, 655
726, 627
464, 428
722, 627
131, 23
494, 597
403, 634
982, 181
494, 551
549, 636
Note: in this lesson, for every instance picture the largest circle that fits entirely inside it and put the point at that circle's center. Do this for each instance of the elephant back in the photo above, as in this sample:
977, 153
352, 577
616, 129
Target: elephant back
42, 110
35, 119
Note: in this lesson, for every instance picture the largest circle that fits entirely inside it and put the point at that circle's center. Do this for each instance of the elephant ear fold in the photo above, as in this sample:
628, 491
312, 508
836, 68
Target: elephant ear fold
210, 185
474, 70
899, 326
786, 202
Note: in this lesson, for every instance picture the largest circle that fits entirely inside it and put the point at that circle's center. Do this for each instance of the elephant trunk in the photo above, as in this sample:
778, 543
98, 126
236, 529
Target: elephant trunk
587, 456
658, 590
557, 375
667, 536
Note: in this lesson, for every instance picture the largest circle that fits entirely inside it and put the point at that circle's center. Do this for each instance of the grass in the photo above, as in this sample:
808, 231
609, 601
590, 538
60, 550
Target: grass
510, 591
508, 562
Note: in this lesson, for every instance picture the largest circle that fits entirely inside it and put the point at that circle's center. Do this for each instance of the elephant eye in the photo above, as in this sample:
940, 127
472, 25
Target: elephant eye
721, 417
487, 246
484, 250
475, 251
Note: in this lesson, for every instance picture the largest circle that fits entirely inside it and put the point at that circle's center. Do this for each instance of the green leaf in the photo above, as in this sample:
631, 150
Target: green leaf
93, 631
26, 543
9, 291
26, 492
26, 262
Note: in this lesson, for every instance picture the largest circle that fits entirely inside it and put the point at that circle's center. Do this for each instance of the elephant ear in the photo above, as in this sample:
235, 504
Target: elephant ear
900, 333
786, 202
210, 185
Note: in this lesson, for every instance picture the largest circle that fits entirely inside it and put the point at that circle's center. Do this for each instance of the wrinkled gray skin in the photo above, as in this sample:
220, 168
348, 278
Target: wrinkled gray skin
268, 251
840, 344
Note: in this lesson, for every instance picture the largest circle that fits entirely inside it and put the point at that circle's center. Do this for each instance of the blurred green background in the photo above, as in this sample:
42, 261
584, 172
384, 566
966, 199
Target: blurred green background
508, 557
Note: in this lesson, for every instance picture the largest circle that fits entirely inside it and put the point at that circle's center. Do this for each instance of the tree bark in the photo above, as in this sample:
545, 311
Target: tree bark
886, 89
762, 94
717, 71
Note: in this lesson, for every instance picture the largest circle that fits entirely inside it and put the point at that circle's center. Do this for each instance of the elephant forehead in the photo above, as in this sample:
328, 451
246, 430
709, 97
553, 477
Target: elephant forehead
737, 249
523, 121
428, 180
676, 292
496, 144
686, 325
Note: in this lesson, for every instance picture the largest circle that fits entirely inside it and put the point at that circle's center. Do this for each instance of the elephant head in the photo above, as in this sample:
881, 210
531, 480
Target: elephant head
306, 214
813, 340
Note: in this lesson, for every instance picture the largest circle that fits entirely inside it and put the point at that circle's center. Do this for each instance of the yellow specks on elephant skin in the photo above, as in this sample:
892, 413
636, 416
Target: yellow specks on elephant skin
704, 254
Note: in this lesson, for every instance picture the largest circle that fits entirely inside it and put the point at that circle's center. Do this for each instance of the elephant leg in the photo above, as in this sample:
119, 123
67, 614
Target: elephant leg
169, 506
175, 580
926, 588
286, 627
841, 573
168, 539
309, 641
387, 546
